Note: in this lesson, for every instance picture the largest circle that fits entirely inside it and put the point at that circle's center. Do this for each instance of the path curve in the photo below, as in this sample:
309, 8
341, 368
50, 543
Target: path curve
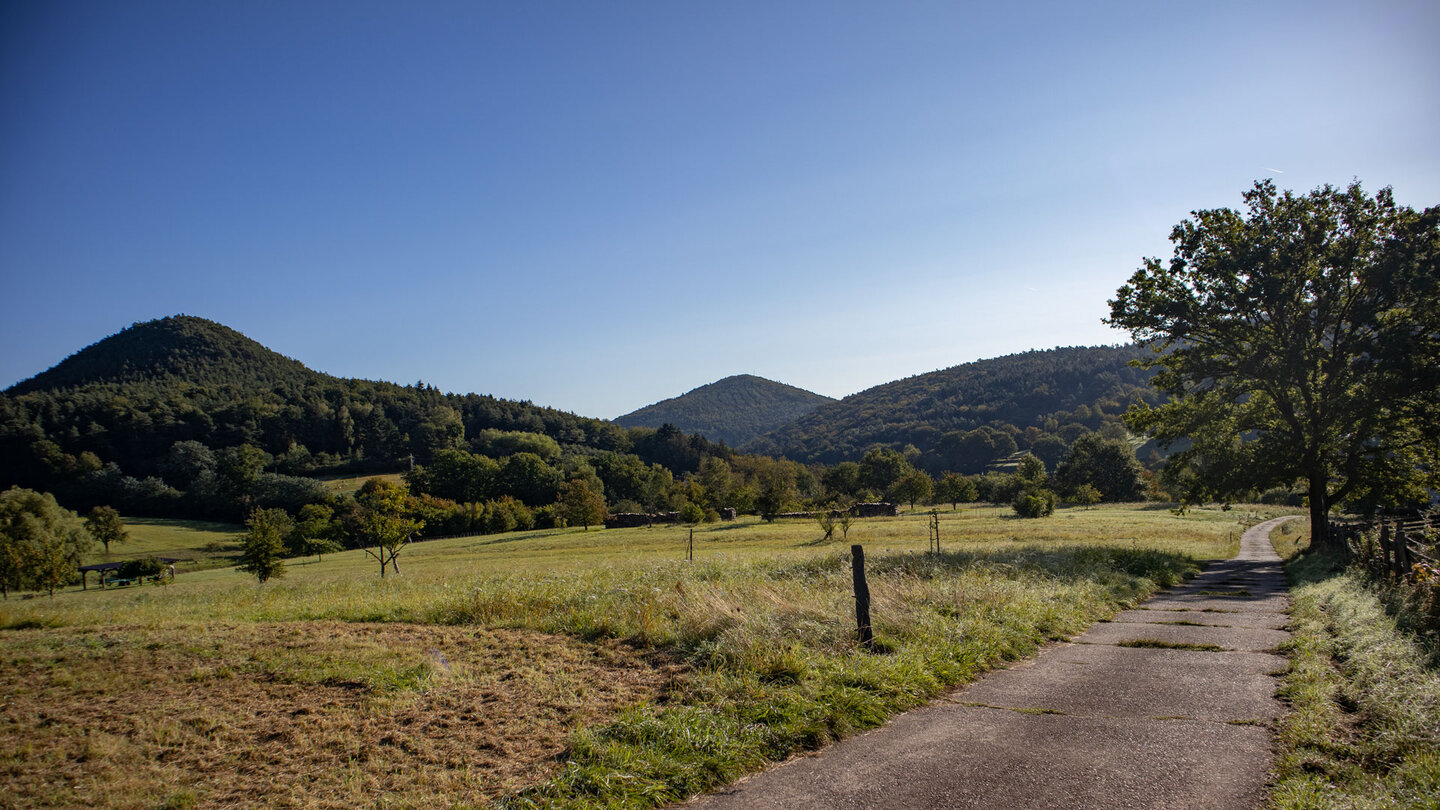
1086, 724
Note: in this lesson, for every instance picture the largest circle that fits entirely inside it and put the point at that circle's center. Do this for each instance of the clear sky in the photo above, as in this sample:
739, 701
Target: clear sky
595, 206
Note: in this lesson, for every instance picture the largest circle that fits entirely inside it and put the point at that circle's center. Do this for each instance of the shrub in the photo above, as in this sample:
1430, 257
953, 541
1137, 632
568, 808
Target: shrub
548, 517
690, 513
1085, 495
1035, 503
138, 569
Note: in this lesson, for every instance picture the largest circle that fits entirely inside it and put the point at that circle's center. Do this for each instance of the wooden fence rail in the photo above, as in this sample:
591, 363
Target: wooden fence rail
1397, 548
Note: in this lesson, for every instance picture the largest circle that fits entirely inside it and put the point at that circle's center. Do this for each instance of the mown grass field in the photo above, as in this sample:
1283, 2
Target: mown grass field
350, 484
197, 543
548, 668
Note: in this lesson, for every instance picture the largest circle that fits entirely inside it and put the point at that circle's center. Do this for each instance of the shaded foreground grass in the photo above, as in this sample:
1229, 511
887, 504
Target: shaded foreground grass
1364, 727
661, 678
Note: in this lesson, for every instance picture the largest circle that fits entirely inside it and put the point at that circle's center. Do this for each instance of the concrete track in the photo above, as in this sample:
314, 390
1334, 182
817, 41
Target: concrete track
1087, 724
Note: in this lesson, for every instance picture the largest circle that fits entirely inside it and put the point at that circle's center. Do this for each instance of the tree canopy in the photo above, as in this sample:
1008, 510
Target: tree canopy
1298, 340
41, 543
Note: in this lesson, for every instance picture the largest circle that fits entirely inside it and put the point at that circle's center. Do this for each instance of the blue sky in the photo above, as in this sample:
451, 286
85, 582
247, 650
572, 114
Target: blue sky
595, 206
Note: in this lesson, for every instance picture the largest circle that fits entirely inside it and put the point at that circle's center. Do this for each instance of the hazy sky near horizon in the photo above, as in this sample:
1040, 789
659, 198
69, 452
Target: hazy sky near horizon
595, 206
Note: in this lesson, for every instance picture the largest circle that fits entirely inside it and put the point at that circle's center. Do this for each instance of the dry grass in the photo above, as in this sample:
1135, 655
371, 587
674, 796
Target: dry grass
319, 714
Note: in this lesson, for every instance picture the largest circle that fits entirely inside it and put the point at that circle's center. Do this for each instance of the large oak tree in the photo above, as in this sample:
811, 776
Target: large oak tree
1298, 341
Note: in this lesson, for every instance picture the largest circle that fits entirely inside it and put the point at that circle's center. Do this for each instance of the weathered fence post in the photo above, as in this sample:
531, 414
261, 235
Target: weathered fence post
935, 530
862, 595
1402, 553
690, 548
1385, 564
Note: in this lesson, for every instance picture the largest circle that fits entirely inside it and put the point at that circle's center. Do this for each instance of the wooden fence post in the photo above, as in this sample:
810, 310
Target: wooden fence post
690, 547
1385, 564
862, 595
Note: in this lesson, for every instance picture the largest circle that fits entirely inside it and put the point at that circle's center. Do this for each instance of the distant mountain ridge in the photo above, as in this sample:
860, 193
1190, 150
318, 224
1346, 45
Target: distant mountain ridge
734, 410
1053, 392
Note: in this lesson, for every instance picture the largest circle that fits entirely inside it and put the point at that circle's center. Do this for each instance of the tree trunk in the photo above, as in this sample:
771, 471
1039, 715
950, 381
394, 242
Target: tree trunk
1320, 515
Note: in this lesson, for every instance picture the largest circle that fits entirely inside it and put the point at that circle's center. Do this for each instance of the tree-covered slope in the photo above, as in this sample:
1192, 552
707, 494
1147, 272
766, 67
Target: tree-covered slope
179, 348
1058, 392
128, 399
733, 410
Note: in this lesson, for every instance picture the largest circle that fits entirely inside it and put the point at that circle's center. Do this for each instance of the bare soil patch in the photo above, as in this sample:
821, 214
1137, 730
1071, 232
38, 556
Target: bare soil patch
302, 714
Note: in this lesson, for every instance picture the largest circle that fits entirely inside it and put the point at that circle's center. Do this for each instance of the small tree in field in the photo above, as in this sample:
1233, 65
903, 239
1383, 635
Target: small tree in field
315, 531
581, 506
846, 519
954, 488
383, 522
263, 547
827, 520
105, 525
913, 486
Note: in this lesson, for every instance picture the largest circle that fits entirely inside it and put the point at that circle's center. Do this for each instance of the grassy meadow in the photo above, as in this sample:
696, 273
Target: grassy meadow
558, 668
196, 543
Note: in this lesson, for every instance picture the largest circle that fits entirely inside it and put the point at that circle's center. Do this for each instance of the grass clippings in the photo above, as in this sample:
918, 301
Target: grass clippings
317, 714
1169, 645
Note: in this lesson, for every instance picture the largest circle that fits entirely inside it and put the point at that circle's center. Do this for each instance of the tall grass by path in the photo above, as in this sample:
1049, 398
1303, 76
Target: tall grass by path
1364, 726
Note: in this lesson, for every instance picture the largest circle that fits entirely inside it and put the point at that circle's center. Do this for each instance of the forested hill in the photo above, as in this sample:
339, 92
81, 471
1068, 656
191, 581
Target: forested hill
121, 406
959, 418
733, 410
181, 348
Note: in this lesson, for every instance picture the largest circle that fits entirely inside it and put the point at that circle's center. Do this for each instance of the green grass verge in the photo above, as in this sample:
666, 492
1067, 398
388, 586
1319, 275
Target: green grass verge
1364, 726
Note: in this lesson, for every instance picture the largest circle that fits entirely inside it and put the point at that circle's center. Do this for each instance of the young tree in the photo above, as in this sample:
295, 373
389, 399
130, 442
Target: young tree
316, 531
383, 521
581, 505
827, 520
263, 547
1031, 470
1310, 325
105, 525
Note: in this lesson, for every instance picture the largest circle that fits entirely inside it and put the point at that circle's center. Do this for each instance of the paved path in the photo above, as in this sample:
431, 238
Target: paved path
1087, 724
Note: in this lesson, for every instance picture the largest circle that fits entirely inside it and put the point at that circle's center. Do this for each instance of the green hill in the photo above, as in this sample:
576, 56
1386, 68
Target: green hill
1057, 393
733, 410
106, 418
181, 348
